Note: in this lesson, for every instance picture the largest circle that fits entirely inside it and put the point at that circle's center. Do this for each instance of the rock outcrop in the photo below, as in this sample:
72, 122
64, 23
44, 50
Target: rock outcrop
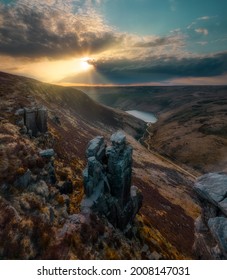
33, 120
107, 181
211, 226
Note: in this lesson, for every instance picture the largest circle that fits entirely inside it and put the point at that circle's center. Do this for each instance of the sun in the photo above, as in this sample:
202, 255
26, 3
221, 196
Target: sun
84, 64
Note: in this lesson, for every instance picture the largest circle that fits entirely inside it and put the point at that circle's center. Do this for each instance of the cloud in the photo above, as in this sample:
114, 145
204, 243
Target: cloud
204, 18
203, 31
155, 41
38, 31
57, 31
53, 29
207, 18
208, 65
201, 20
60, 29
156, 68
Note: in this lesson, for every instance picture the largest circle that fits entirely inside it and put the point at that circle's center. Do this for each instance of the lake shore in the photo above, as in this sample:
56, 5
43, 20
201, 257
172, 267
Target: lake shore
145, 116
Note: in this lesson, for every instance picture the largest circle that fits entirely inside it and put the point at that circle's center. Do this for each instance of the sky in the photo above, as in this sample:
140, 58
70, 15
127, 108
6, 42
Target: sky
115, 42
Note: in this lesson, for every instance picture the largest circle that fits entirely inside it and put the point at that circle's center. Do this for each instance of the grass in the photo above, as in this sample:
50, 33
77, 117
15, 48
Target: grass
209, 130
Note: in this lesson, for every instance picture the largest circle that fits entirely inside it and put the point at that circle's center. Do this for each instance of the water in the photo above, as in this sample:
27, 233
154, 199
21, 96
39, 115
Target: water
145, 116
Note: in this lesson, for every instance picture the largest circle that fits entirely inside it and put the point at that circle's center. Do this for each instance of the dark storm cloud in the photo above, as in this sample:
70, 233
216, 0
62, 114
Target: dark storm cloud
161, 68
23, 33
30, 32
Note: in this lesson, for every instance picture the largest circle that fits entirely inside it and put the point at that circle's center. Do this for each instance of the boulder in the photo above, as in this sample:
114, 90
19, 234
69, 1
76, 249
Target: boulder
47, 153
212, 187
211, 226
218, 228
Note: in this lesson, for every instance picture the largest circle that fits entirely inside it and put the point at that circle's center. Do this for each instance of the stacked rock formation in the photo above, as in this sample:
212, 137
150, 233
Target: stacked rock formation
34, 120
211, 226
107, 181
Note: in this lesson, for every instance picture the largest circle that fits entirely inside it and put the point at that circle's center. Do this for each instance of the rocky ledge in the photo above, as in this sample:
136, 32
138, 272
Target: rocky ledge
107, 181
211, 226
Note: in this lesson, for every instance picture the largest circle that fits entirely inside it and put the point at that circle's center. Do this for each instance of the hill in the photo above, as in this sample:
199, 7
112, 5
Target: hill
40, 196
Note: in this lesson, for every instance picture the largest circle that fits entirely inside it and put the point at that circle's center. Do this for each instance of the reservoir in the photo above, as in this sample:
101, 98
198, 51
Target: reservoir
145, 116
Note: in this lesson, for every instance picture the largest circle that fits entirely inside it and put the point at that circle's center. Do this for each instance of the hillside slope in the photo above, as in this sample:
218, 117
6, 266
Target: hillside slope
165, 225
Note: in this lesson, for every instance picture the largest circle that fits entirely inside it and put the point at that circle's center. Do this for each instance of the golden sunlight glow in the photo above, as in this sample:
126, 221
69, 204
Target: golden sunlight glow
51, 71
84, 63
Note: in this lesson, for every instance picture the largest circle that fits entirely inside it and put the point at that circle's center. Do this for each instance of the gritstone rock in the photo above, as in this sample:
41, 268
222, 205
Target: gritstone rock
211, 226
107, 181
47, 153
34, 119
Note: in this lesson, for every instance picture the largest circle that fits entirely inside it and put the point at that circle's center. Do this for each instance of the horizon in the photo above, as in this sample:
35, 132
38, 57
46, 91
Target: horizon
74, 85
97, 43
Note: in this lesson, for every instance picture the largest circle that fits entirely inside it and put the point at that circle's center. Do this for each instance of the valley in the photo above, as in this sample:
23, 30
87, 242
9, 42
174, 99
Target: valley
191, 126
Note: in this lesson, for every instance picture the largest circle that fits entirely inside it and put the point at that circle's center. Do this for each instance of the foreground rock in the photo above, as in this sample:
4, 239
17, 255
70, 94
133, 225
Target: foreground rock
107, 181
211, 226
